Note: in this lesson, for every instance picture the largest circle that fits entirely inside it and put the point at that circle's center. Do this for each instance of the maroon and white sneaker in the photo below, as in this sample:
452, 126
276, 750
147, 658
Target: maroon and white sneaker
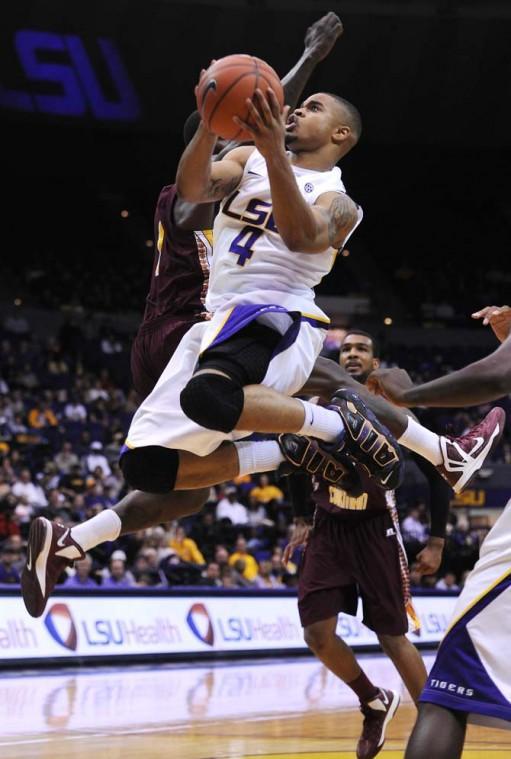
47, 546
377, 715
464, 456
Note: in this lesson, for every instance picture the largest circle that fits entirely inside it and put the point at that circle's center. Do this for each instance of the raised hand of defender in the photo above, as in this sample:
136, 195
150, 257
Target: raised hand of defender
265, 122
390, 383
300, 537
322, 36
499, 319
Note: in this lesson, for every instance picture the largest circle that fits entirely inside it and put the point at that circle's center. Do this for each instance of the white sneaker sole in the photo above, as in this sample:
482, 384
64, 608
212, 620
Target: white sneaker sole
42, 557
472, 469
396, 700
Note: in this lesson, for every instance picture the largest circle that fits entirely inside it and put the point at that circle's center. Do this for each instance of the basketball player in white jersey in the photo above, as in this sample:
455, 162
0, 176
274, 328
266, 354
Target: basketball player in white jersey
284, 215
471, 677
266, 328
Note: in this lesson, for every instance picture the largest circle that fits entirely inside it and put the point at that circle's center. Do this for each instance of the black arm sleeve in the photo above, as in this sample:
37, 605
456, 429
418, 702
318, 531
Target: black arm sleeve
440, 494
300, 494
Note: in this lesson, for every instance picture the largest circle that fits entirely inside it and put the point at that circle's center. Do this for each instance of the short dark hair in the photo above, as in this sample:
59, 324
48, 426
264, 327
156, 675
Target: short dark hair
191, 125
355, 331
354, 117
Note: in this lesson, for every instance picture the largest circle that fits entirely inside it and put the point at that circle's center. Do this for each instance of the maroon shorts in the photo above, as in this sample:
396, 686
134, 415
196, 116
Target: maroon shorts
345, 560
152, 349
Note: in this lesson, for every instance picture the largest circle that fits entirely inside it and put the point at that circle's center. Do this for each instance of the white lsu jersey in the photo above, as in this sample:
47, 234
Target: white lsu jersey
251, 263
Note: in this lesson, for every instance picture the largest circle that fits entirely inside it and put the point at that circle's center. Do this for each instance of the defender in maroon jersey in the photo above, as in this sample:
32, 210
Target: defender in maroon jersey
354, 550
179, 283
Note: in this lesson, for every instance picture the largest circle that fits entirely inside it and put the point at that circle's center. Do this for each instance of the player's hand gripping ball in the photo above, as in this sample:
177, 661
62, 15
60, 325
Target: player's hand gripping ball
224, 88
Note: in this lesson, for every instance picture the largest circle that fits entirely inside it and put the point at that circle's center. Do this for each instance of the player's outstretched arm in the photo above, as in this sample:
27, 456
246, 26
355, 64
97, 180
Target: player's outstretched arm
481, 382
199, 179
320, 39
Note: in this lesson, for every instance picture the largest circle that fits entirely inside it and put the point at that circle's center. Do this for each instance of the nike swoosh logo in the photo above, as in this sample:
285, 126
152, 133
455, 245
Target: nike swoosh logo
61, 542
29, 559
254, 173
211, 85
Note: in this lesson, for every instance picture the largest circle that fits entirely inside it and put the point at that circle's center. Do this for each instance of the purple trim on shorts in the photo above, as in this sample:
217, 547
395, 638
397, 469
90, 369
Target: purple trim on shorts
458, 679
241, 316
123, 450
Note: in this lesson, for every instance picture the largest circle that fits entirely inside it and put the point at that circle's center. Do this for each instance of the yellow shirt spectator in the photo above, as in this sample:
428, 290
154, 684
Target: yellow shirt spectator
251, 568
265, 491
186, 548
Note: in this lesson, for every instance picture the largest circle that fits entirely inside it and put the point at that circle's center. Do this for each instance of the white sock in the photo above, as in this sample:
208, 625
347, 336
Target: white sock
422, 441
320, 422
264, 456
104, 526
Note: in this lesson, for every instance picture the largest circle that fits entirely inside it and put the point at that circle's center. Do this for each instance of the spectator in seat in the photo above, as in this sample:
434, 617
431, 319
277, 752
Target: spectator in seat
412, 528
265, 578
66, 459
41, 416
9, 575
186, 548
82, 580
256, 513
97, 458
74, 482
230, 508
265, 491
26, 489
74, 411
251, 569
211, 576
221, 557
118, 577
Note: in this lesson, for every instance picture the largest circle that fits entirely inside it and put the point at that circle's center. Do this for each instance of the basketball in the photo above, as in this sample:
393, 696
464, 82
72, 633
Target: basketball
224, 88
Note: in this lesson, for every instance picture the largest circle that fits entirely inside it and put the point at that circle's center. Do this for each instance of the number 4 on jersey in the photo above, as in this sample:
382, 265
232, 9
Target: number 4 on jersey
243, 244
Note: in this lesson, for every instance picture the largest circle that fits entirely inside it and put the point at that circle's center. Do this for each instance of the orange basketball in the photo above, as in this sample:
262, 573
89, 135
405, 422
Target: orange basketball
224, 88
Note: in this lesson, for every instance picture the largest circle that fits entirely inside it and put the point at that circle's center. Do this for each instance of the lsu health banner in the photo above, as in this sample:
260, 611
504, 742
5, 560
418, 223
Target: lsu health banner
126, 625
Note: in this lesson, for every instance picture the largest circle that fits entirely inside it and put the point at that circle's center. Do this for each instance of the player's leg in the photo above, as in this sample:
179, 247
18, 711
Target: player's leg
407, 660
225, 392
51, 546
377, 704
438, 732
338, 657
458, 459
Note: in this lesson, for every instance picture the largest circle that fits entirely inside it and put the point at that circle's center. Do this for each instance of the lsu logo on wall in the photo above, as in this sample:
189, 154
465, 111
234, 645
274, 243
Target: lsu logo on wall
61, 626
200, 624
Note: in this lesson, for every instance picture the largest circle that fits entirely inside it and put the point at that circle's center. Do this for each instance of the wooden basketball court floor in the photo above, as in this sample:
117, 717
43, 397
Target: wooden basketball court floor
272, 709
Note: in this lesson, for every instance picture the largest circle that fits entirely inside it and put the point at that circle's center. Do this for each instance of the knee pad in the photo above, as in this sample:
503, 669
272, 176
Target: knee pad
151, 468
213, 401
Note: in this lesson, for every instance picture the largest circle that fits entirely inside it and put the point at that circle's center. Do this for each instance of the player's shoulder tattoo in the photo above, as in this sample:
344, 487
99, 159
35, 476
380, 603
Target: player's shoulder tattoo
343, 217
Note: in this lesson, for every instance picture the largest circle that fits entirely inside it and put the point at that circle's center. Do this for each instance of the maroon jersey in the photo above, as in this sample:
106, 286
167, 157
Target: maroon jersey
342, 505
179, 280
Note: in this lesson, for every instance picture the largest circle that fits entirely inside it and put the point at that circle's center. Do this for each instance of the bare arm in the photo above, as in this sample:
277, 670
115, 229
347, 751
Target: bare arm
324, 225
481, 382
320, 38
199, 179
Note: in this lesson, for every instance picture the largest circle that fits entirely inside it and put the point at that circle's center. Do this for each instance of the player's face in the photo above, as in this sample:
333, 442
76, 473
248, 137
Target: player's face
313, 123
357, 356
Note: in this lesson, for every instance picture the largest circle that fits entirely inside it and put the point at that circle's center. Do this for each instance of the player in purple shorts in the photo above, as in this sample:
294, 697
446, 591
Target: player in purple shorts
471, 678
